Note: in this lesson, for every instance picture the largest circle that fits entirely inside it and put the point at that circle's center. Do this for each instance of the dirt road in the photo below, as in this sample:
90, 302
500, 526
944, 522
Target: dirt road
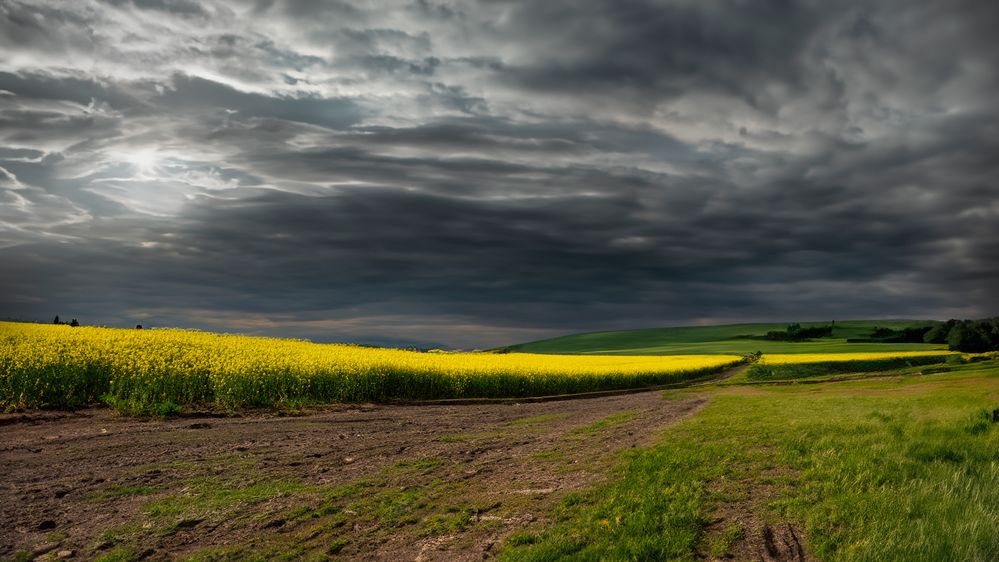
357, 482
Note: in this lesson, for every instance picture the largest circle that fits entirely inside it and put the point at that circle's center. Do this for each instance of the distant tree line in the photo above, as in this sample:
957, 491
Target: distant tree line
74, 323
795, 333
912, 334
968, 336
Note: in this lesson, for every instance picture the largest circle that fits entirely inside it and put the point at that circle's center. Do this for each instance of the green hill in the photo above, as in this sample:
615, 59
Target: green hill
724, 339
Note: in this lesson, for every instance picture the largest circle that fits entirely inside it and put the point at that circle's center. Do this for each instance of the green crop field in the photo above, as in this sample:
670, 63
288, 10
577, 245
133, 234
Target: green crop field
894, 469
723, 340
896, 466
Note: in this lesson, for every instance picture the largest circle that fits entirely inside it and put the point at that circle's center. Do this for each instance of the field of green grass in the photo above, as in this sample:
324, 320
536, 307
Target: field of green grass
723, 339
895, 469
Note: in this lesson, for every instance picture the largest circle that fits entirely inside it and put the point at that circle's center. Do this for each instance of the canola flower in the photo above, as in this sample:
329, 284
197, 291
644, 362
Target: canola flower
136, 370
789, 358
805, 365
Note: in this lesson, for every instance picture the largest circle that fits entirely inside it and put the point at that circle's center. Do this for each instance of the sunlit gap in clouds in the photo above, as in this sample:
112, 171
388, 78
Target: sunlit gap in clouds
151, 181
160, 180
143, 160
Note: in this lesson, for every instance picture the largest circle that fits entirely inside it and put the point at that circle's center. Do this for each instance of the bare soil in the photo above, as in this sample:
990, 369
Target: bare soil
372, 482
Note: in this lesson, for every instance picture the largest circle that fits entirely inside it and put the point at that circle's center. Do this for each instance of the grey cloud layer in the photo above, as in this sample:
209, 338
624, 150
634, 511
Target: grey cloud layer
481, 173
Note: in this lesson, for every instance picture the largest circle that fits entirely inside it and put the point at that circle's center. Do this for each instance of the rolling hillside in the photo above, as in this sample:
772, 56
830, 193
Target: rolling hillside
722, 339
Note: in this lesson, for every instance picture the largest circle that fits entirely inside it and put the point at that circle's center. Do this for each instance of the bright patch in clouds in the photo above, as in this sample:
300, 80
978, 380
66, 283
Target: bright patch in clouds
143, 160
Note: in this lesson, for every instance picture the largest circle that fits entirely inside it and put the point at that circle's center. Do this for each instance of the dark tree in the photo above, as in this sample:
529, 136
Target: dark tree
74, 323
938, 333
56, 321
795, 333
966, 337
990, 327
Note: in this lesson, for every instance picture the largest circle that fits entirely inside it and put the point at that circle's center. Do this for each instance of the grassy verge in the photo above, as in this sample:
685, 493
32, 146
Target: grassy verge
786, 371
869, 471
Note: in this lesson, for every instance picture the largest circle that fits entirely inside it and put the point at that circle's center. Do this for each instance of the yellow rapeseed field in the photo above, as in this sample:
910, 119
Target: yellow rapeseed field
789, 358
143, 370
805, 365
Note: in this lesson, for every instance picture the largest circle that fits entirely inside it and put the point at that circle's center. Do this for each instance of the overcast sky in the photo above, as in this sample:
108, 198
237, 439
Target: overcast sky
481, 173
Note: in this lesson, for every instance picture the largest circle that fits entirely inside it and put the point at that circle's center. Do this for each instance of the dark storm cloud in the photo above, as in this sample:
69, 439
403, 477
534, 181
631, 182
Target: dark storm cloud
480, 173
662, 49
